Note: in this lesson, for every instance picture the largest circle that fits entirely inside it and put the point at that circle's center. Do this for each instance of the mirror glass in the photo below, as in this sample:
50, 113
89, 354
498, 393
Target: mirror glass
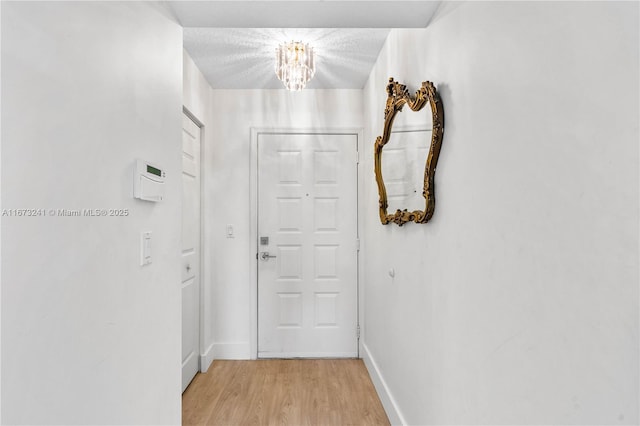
404, 158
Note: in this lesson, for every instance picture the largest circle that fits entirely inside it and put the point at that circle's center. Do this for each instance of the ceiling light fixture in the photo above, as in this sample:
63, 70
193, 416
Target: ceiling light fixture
295, 64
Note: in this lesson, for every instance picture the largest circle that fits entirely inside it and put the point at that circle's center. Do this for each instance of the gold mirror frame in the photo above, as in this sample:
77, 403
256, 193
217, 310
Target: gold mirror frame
398, 96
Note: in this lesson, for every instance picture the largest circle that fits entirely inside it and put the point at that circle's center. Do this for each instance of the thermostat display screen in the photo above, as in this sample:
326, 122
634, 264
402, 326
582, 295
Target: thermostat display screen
154, 171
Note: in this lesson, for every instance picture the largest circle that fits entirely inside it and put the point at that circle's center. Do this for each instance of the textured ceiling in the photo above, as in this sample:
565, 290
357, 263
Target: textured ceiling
243, 58
233, 42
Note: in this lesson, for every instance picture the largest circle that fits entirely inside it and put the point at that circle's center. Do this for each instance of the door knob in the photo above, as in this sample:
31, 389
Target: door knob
266, 256
188, 268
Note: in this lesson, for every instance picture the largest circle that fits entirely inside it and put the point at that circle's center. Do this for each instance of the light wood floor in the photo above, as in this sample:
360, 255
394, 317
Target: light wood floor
283, 392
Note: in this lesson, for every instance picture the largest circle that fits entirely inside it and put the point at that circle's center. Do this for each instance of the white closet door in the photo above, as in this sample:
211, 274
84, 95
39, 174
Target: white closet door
190, 250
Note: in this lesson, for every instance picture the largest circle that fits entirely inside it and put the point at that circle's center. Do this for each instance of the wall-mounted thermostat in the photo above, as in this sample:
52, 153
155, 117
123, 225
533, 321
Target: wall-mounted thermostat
148, 181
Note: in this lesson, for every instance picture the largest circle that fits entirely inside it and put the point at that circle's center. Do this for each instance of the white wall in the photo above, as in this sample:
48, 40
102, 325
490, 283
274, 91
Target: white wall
1, 205
88, 335
235, 112
196, 90
518, 302
197, 100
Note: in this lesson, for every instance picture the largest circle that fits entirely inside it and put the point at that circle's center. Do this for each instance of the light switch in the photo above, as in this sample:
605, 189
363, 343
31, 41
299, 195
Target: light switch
230, 231
145, 248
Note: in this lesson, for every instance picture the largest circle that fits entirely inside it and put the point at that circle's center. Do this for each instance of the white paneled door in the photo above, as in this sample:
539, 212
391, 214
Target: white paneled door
307, 243
190, 250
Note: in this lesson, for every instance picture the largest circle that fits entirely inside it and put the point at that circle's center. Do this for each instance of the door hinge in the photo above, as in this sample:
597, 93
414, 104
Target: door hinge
357, 244
357, 157
358, 331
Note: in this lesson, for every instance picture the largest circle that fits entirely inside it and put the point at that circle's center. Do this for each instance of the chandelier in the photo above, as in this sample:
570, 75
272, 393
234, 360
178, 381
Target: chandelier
295, 64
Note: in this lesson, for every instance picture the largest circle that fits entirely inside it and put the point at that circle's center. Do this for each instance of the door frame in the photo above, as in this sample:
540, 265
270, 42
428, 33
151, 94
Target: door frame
253, 219
201, 295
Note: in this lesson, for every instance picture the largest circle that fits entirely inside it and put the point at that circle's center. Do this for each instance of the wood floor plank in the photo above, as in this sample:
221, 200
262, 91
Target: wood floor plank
283, 392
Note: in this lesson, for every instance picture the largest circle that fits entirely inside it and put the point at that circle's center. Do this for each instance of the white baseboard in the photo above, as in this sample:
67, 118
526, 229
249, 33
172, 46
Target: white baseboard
277, 355
206, 359
388, 402
231, 350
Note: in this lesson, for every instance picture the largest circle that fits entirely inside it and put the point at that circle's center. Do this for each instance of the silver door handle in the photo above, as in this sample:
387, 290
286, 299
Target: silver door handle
266, 256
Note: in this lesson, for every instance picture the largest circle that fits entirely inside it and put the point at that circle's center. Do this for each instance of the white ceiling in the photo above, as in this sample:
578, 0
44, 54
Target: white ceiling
233, 42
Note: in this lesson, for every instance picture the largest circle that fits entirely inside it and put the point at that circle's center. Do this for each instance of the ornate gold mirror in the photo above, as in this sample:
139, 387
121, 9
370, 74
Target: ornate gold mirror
407, 153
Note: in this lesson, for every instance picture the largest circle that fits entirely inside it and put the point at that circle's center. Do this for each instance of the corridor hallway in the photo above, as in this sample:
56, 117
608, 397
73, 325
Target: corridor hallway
283, 392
